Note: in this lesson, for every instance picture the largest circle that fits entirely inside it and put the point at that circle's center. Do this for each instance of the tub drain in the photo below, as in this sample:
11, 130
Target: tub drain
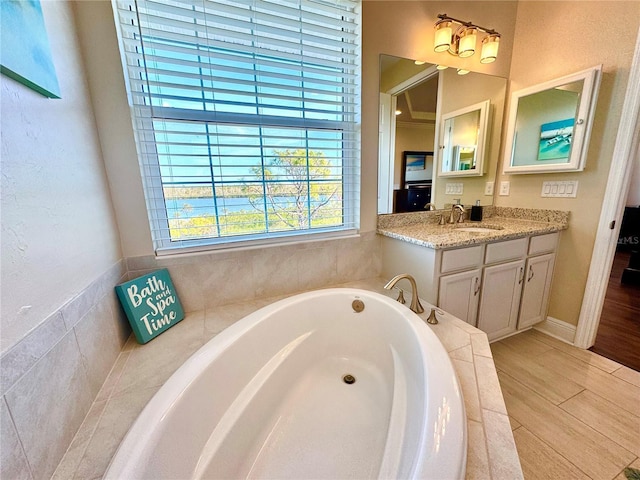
349, 379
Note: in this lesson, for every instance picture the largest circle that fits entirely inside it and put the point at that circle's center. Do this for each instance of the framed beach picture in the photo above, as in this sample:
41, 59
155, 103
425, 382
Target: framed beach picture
555, 140
415, 160
26, 55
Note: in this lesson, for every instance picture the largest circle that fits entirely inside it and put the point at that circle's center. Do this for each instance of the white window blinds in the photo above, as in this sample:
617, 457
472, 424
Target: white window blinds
246, 116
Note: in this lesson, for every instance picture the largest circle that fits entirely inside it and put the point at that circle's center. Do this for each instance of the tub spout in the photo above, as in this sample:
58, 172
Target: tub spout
415, 301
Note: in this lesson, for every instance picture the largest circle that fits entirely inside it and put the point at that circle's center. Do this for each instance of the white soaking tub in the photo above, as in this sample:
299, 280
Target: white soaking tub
307, 388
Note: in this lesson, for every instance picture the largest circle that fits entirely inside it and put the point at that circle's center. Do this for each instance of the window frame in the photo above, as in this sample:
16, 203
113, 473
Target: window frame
145, 116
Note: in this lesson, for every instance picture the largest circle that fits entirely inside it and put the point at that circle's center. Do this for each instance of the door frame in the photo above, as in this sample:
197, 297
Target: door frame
625, 152
387, 135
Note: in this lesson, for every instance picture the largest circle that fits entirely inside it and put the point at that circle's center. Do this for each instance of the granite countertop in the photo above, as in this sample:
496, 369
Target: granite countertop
422, 228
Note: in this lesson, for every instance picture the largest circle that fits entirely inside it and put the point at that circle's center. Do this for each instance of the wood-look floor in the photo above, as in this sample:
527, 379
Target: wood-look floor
574, 414
618, 336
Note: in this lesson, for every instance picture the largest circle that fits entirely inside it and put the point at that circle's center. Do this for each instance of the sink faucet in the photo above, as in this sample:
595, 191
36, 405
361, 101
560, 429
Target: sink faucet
452, 218
415, 302
429, 206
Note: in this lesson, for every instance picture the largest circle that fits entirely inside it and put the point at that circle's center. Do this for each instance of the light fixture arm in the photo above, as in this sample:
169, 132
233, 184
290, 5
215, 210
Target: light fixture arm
445, 17
462, 41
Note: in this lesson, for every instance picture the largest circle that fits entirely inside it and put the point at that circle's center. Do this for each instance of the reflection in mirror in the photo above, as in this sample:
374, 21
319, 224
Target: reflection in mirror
413, 102
549, 124
462, 138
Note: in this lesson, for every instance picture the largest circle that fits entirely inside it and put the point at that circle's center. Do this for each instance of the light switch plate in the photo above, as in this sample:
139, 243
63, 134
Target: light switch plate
488, 188
454, 188
504, 188
565, 189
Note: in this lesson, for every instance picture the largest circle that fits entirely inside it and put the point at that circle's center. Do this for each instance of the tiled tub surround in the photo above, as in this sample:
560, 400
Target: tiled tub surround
227, 276
51, 377
141, 369
422, 228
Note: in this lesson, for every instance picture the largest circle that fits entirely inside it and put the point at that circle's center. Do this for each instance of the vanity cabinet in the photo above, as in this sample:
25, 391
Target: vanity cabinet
500, 287
459, 294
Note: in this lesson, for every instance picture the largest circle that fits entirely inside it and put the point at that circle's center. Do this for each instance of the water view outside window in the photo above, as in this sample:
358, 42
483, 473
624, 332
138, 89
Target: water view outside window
245, 120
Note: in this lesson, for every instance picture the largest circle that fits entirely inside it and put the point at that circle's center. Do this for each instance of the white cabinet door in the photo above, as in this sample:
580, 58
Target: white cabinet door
535, 295
459, 294
501, 289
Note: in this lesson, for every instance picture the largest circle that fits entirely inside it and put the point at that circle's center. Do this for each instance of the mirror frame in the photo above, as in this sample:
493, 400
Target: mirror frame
483, 122
583, 122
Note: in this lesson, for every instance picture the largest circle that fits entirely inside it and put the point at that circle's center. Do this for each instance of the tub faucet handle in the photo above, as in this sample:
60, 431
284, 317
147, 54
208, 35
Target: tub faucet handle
432, 319
401, 297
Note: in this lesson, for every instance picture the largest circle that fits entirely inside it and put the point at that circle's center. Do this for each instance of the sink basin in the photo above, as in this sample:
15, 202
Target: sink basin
477, 229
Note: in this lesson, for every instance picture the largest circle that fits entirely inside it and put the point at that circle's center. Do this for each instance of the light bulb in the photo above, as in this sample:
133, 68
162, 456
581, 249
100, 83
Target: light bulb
442, 39
490, 46
467, 45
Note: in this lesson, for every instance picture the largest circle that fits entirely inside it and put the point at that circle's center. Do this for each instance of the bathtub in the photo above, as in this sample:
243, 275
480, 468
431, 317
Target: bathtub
307, 387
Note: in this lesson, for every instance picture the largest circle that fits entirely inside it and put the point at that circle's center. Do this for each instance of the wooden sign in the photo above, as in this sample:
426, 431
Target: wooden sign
151, 304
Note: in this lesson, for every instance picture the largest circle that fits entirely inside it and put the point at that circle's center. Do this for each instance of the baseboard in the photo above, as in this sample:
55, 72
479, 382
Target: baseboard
557, 329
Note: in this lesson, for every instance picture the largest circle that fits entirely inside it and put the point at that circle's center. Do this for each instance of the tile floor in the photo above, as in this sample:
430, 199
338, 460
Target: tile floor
574, 414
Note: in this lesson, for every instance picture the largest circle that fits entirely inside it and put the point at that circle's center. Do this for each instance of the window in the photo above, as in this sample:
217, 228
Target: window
245, 115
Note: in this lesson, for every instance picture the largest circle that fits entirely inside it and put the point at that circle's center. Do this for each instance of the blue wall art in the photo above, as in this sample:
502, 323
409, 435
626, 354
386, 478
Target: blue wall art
26, 55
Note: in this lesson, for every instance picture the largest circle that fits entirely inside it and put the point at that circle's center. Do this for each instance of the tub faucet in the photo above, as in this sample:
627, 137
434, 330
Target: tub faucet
415, 301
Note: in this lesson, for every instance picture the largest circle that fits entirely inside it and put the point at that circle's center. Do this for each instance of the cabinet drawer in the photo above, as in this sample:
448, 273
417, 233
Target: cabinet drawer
462, 258
543, 243
508, 250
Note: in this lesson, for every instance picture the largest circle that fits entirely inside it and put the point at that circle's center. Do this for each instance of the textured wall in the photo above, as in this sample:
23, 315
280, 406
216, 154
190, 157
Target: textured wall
58, 227
540, 28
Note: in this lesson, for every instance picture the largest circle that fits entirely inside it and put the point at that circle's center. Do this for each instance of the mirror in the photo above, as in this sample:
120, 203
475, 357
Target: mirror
550, 124
462, 138
415, 101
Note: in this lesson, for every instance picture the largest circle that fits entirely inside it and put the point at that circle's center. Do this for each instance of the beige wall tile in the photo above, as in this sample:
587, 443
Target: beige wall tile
49, 403
275, 272
463, 353
114, 376
480, 345
116, 419
13, 462
477, 458
466, 376
72, 458
151, 364
25, 354
99, 343
503, 457
488, 385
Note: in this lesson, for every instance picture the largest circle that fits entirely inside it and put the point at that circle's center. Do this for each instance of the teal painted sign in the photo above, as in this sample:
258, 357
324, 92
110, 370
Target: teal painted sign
151, 304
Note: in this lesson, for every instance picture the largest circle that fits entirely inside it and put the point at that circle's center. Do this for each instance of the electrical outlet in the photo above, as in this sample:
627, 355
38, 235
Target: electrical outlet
504, 188
488, 188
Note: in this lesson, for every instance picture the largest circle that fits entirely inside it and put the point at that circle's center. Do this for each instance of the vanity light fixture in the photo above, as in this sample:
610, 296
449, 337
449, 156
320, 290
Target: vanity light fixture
462, 41
441, 67
462, 71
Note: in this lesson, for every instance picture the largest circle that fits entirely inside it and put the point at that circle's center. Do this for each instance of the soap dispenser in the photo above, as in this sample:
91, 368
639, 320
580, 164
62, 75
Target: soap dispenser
476, 212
